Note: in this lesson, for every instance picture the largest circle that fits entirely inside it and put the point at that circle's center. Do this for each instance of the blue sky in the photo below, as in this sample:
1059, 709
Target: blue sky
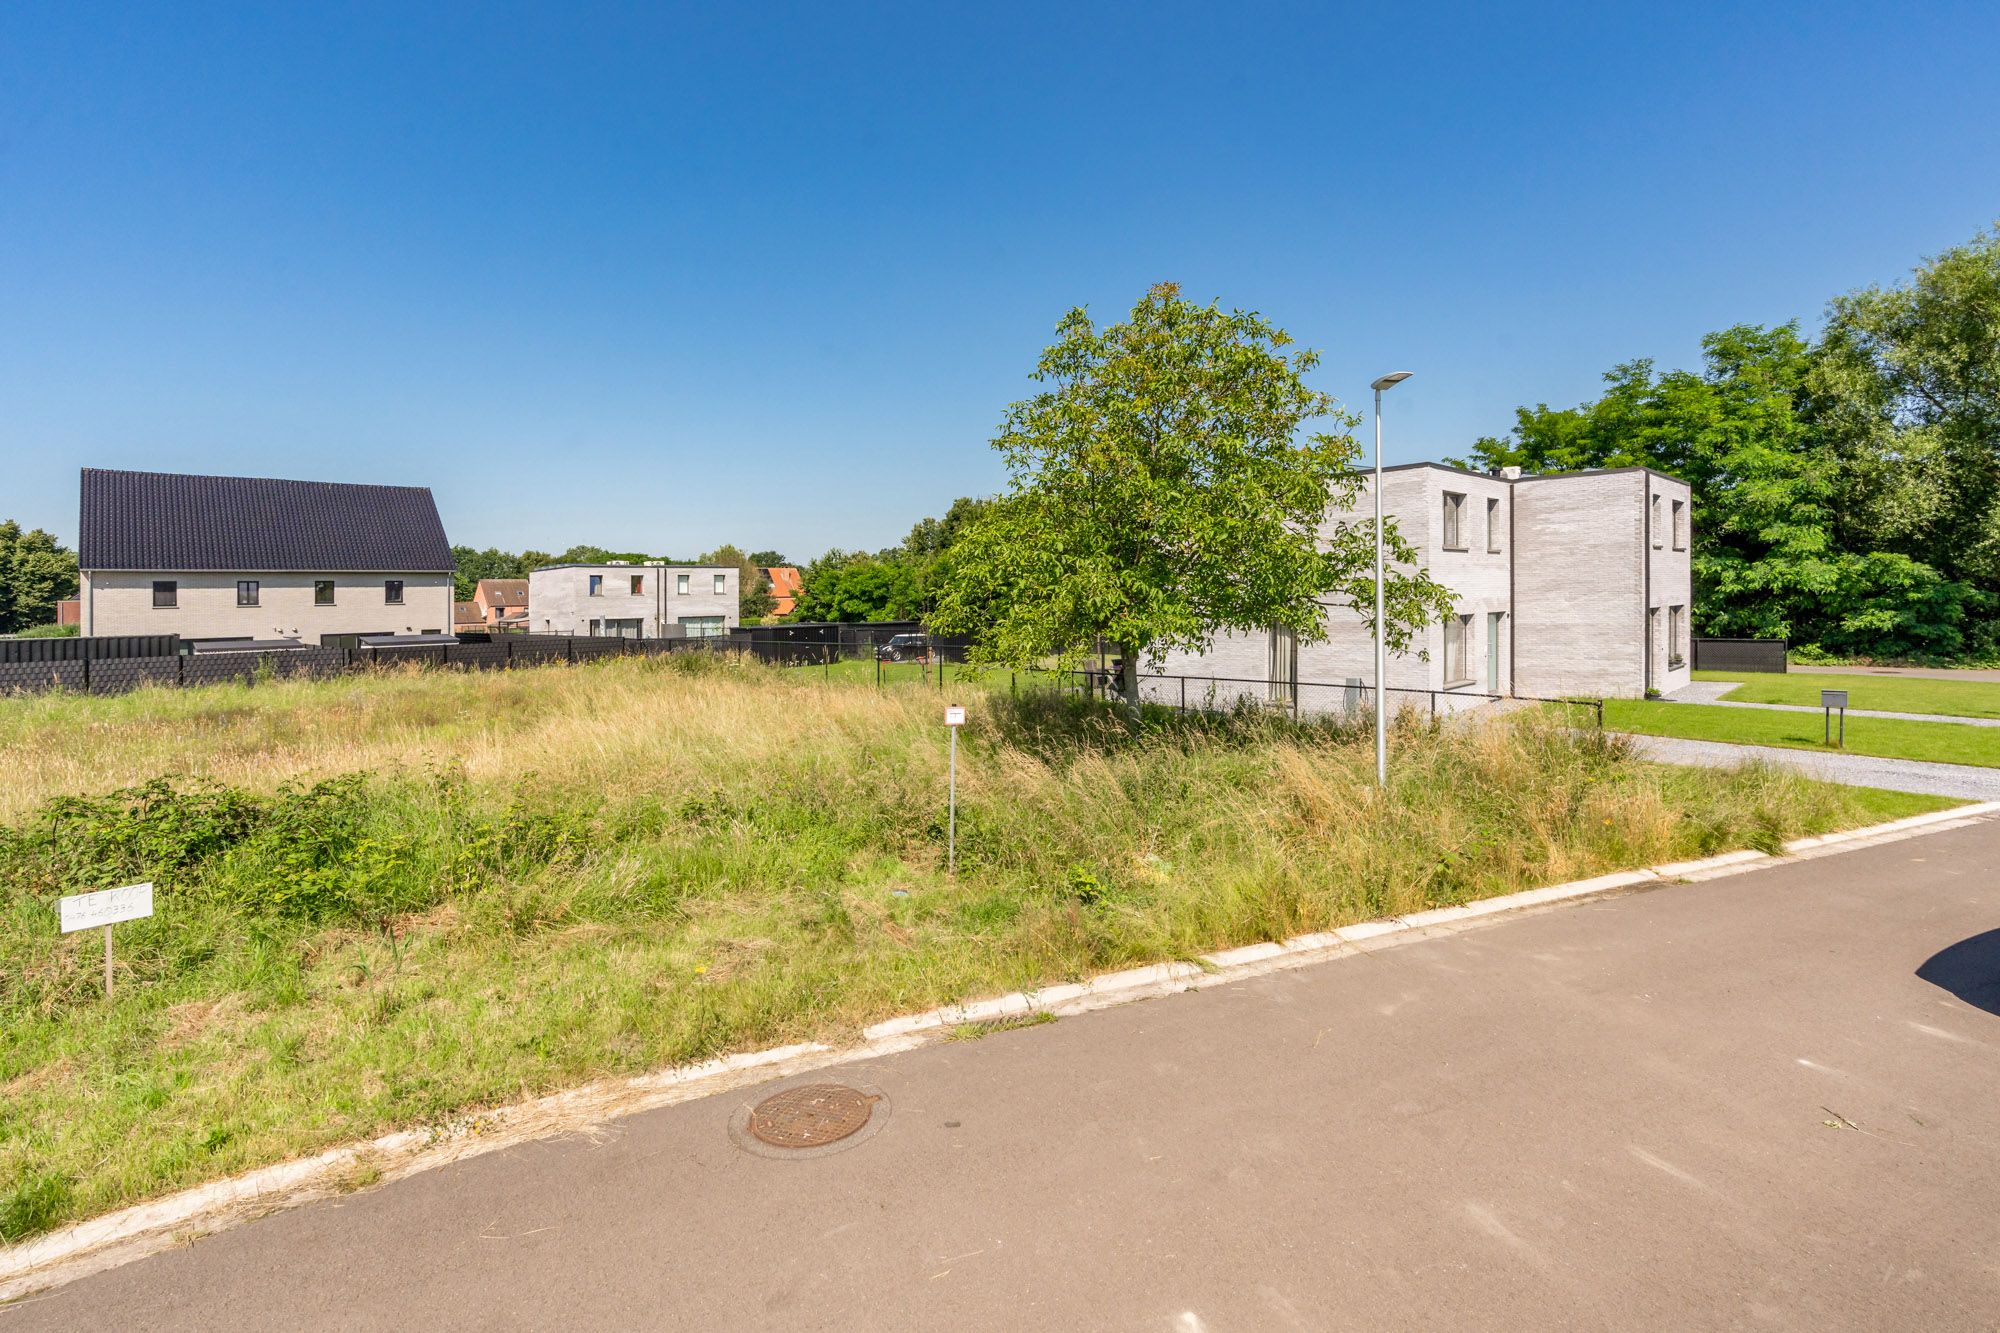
658, 278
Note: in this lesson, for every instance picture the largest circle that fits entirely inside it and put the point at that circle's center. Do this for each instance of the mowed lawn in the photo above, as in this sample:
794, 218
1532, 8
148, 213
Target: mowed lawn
1888, 694
390, 901
1886, 738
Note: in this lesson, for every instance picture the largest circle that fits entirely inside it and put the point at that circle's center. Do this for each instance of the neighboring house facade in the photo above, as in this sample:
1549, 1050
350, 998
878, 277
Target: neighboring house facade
465, 617
786, 585
502, 602
1564, 584
254, 558
649, 601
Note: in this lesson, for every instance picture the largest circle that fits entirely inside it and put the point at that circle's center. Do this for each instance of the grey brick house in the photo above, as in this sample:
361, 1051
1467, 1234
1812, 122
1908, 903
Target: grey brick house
634, 601
256, 558
1569, 583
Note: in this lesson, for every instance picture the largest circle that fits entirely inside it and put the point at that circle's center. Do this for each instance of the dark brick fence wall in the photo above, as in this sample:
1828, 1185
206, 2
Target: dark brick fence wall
1753, 655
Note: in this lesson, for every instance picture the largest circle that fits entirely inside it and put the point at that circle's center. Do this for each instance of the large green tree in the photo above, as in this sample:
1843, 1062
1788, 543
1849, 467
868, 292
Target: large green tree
36, 572
852, 587
1163, 490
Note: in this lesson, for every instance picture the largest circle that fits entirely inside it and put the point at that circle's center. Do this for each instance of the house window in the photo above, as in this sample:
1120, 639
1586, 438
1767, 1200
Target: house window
392, 591
624, 629
1493, 525
1454, 521
1676, 620
1457, 629
721, 584
322, 592
597, 585
638, 585
246, 592
1680, 525
596, 628
703, 627
1284, 664
1656, 522
681, 584
166, 593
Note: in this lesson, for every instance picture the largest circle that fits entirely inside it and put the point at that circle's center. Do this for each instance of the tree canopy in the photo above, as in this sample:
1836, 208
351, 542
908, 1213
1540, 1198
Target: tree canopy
1162, 492
36, 572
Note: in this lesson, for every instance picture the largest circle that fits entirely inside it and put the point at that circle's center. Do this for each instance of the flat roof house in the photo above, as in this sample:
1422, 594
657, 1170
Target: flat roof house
649, 601
256, 558
1563, 584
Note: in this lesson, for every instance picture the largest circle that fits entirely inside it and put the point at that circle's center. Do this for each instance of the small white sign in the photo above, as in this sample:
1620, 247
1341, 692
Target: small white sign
85, 911
954, 716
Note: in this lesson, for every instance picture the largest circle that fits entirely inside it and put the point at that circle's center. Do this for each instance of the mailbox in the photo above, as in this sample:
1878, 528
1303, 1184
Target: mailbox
1833, 698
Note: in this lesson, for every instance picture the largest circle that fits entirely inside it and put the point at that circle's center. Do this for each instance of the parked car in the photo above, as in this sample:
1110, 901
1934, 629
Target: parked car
904, 648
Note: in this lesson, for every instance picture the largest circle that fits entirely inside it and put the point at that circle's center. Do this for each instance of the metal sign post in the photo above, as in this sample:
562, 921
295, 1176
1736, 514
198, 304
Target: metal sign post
954, 718
1829, 700
85, 911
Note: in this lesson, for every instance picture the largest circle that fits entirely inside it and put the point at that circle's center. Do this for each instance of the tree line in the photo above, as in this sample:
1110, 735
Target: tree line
36, 572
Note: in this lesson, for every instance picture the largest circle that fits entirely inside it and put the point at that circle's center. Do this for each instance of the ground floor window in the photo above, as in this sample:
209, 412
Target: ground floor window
624, 629
1457, 629
1676, 627
1284, 665
348, 640
703, 627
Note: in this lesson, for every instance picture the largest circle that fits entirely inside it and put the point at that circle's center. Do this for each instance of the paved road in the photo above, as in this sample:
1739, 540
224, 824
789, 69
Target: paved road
1965, 781
1709, 694
1731, 1104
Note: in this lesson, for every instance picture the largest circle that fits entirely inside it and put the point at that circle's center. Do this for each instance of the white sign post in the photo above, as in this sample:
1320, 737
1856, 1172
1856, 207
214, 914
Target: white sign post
954, 718
82, 911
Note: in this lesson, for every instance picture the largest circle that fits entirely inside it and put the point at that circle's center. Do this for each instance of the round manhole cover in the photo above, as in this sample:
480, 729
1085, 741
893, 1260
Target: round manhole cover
810, 1117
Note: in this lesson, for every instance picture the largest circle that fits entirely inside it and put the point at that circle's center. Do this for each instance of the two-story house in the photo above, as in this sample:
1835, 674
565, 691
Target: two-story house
257, 559
501, 603
648, 601
1562, 584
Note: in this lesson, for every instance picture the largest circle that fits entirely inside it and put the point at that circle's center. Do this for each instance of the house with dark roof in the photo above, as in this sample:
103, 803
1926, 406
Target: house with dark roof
256, 558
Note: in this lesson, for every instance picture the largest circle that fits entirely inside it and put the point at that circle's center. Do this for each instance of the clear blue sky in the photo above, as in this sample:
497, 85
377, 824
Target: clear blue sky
657, 278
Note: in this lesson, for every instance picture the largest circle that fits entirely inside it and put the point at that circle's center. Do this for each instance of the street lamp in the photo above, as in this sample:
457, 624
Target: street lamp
1388, 381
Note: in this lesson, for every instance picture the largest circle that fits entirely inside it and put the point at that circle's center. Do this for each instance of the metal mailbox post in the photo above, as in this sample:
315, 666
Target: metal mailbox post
1829, 700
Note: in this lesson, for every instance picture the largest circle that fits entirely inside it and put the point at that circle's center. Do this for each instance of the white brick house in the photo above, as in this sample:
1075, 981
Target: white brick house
1563, 584
635, 601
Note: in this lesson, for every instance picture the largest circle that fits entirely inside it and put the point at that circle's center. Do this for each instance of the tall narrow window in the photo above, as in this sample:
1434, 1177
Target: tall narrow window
597, 585
1492, 525
1456, 631
246, 592
392, 591
1676, 627
1680, 525
166, 593
1656, 522
638, 585
322, 592
1284, 664
681, 584
1454, 521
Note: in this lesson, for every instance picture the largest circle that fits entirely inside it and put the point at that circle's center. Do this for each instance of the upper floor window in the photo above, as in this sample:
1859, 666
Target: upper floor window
597, 585
166, 592
1454, 521
322, 592
1656, 521
721, 583
638, 585
681, 583
1492, 525
392, 591
246, 592
1680, 525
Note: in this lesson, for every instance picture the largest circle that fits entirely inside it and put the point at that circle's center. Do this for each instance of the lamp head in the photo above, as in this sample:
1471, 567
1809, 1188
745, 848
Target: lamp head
1390, 380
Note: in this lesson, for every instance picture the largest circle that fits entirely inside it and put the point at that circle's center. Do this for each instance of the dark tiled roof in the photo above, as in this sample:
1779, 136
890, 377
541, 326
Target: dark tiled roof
166, 521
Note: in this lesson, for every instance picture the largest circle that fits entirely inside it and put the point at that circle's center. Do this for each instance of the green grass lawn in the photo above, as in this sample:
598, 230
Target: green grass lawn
1887, 738
388, 901
865, 671
1890, 694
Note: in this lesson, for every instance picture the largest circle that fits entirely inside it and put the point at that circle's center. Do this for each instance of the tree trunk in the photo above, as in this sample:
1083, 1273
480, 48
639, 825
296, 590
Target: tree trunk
1128, 678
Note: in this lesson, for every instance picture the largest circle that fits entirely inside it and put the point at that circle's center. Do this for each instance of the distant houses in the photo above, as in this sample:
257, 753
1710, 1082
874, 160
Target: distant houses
259, 559
634, 601
501, 603
786, 585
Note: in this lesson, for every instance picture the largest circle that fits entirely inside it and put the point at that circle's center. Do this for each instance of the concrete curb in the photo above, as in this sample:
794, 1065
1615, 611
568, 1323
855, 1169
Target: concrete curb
132, 1233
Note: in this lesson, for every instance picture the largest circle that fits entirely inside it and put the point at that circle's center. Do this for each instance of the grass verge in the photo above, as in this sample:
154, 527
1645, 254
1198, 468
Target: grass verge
1882, 737
1888, 694
393, 900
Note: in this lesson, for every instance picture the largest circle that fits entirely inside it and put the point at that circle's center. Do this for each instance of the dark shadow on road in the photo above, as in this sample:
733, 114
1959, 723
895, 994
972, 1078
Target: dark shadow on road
1969, 969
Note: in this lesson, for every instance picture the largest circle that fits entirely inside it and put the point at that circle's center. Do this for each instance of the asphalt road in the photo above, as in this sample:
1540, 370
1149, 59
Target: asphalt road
1768, 1101
1966, 781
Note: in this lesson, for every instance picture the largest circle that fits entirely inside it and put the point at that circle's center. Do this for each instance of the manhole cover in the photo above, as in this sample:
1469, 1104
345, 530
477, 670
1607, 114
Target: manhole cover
811, 1116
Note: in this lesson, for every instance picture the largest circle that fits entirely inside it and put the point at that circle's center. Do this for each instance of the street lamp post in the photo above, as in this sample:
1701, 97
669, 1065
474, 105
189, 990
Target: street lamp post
1388, 381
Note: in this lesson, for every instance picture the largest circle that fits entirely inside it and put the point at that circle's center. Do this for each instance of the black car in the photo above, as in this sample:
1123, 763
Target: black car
904, 648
